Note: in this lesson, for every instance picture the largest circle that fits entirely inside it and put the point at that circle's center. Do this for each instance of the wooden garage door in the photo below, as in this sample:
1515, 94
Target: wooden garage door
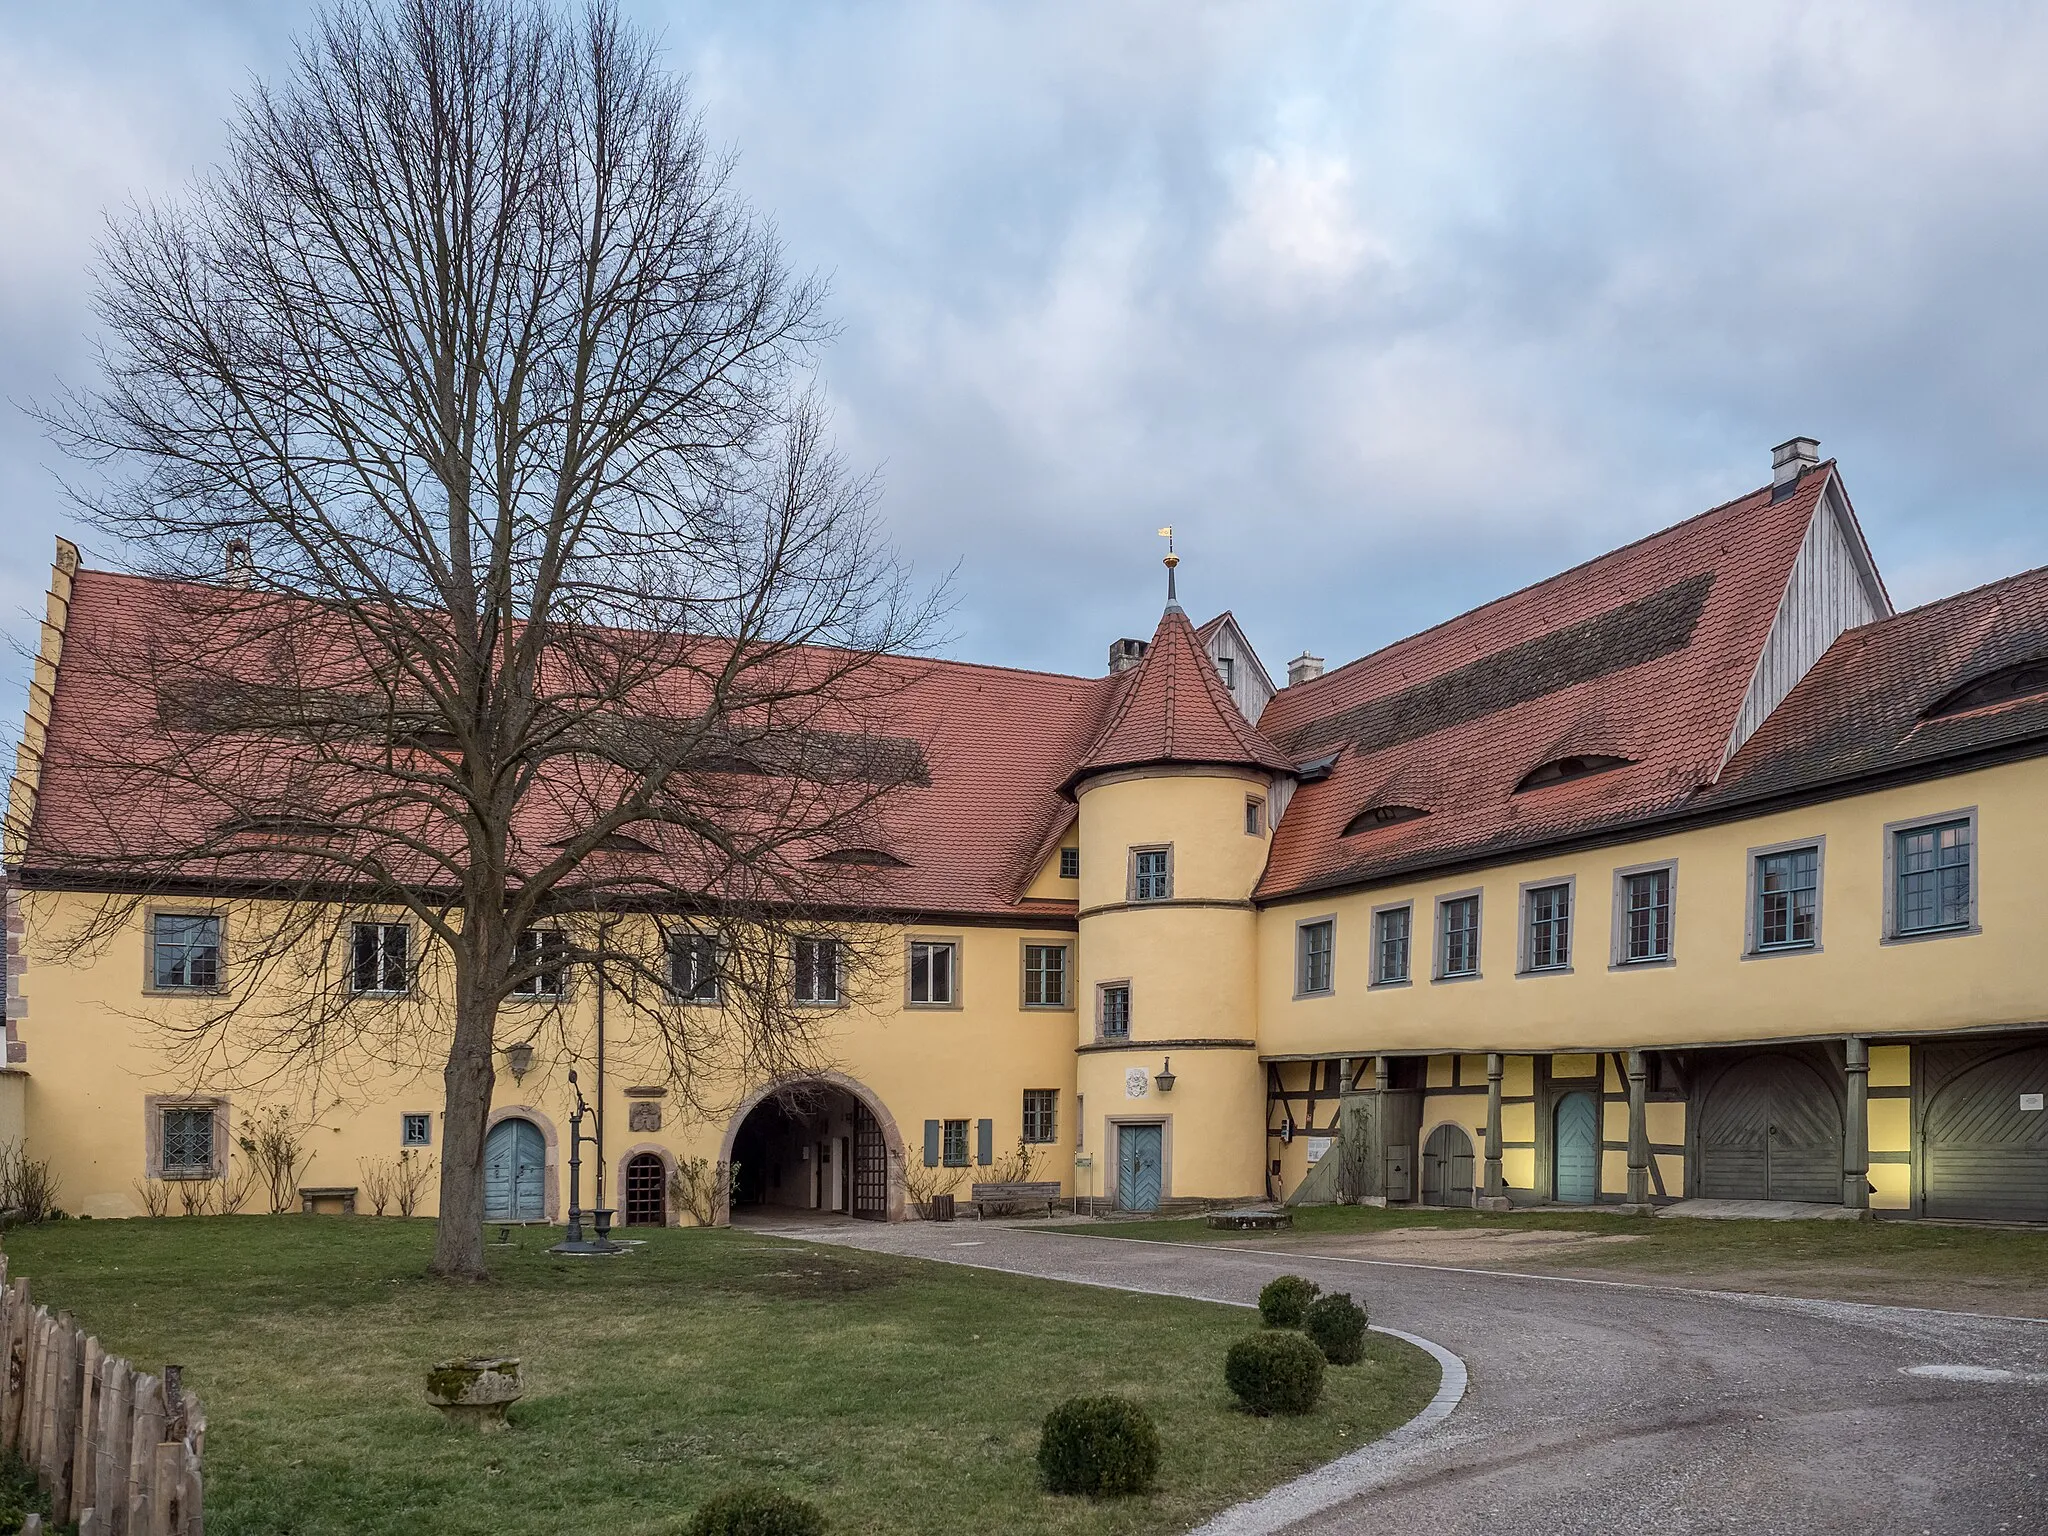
1771, 1130
1986, 1151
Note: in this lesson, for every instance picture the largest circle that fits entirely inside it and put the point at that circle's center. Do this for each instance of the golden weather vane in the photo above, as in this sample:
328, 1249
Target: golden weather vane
1172, 560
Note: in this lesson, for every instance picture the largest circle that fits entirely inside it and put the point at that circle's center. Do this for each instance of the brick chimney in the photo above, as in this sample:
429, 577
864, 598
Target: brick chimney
1304, 669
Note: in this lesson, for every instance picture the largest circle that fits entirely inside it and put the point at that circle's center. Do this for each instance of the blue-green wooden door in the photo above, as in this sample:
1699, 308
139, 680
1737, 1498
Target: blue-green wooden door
515, 1158
1139, 1156
1577, 1148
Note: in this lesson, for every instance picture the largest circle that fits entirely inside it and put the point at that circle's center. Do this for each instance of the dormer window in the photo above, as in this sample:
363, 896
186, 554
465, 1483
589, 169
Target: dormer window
1381, 816
1226, 668
872, 858
2027, 680
1578, 766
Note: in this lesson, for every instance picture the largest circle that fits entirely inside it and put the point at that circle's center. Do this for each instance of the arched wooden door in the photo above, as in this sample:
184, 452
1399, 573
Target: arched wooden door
1447, 1167
1986, 1141
646, 1191
1576, 1149
515, 1165
1771, 1130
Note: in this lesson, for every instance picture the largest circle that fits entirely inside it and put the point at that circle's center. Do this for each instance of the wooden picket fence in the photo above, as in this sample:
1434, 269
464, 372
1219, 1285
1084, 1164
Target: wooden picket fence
118, 1450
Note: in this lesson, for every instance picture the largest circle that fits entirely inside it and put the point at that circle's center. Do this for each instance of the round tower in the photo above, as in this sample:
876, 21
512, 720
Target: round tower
1175, 802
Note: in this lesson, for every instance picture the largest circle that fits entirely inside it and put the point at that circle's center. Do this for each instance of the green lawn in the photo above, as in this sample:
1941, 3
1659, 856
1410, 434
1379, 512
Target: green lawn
1900, 1250
902, 1396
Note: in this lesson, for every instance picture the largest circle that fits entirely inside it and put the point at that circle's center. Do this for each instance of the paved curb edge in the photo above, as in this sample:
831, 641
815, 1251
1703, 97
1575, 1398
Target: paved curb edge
1350, 1475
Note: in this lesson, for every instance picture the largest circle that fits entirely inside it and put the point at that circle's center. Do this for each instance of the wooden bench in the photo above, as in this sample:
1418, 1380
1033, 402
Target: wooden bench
312, 1198
1032, 1193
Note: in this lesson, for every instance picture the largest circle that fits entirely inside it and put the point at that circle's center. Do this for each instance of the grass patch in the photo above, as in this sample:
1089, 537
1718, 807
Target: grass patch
903, 1397
1677, 1245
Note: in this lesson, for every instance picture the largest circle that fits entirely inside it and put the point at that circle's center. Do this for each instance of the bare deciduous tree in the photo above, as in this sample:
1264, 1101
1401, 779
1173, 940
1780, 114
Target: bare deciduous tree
546, 603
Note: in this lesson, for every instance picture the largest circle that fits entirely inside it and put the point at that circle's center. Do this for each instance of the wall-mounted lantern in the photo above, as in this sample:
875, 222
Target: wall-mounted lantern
1164, 1079
520, 1059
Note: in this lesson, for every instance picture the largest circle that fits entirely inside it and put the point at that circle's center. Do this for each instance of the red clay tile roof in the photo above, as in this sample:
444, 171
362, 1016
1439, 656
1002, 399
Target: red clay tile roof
1175, 709
1644, 654
998, 745
1862, 711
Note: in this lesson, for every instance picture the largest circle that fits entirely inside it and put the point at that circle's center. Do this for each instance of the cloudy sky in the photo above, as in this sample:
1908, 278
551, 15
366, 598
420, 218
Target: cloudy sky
1388, 308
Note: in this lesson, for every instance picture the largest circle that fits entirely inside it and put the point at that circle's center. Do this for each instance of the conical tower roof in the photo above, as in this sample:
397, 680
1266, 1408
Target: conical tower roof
1175, 709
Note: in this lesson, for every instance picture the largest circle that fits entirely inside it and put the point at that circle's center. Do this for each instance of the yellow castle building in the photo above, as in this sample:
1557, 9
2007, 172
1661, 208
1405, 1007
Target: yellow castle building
1693, 872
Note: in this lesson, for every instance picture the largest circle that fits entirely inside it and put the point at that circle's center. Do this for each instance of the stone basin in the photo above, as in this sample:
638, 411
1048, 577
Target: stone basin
475, 1393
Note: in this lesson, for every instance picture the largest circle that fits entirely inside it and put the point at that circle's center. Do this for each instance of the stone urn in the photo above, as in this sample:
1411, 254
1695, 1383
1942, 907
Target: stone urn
475, 1393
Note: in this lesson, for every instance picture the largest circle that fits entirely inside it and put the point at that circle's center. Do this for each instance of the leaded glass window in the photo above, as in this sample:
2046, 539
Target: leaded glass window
1646, 916
1787, 898
1116, 1010
1460, 917
1391, 935
955, 1147
1151, 874
1070, 863
1550, 927
187, 1141
187, 952
1933, 868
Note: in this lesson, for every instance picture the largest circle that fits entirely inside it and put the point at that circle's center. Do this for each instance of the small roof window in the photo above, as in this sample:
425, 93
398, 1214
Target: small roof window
873, 858
1381, 816
2024, 680
1578, 766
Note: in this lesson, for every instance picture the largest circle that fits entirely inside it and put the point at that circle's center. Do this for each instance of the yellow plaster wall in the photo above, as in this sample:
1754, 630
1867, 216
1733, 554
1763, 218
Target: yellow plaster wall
1518, 1122
1518, 1077
1517, 1167
91, 1062
1047, 884
1891, 1125
1891, 1066
1893, 1184
1665, 1121
1855, 983
1215, 1116
1574, 1064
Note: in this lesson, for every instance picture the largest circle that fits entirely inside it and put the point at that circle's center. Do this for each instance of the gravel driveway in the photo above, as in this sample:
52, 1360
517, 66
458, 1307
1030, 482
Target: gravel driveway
1602, 1407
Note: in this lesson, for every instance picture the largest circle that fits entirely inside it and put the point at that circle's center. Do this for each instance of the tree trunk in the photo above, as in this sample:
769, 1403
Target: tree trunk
468, 1080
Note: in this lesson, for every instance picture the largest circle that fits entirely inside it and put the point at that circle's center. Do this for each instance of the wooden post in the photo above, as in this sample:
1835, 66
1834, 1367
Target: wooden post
117, 1421
1856, 1134
1494, 1194
32, 1407
85, 1445
17, 1363
70, 1356
147, 1434
1638, 1133
167, 1487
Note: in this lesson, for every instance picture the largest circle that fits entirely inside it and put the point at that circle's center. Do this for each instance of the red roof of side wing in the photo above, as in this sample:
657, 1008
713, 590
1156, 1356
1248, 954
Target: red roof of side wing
1643, 654
1174, 709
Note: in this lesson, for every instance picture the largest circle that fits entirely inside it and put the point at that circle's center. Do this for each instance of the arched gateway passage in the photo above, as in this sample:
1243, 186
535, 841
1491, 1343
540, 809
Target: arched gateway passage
822, 1143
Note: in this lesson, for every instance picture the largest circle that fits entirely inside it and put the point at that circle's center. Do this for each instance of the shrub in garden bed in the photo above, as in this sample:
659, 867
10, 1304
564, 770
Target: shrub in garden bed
1100, 1446
1335, 1324
1275, 1372
757, 1512
1283, 1300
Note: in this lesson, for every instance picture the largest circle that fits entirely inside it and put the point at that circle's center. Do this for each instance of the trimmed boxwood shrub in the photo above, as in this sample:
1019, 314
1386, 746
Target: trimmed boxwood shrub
1283, 1301
1275, 1372
1336, 1325
757, 1512
1100, 1446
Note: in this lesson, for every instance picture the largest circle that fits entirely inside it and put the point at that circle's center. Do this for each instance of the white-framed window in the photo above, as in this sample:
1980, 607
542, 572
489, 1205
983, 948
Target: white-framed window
1457, 936
187, 1141
1643, 909
953, 1148
416, 1130
1392, 940
693, 973
1113, 1010
1045, 975
185, 951
1041, 1116
1785, 889
1547, 926
817, 970
1070, 863
1933, 884
934, 972
380, 959
1314, 951
1151, 874
543, 953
